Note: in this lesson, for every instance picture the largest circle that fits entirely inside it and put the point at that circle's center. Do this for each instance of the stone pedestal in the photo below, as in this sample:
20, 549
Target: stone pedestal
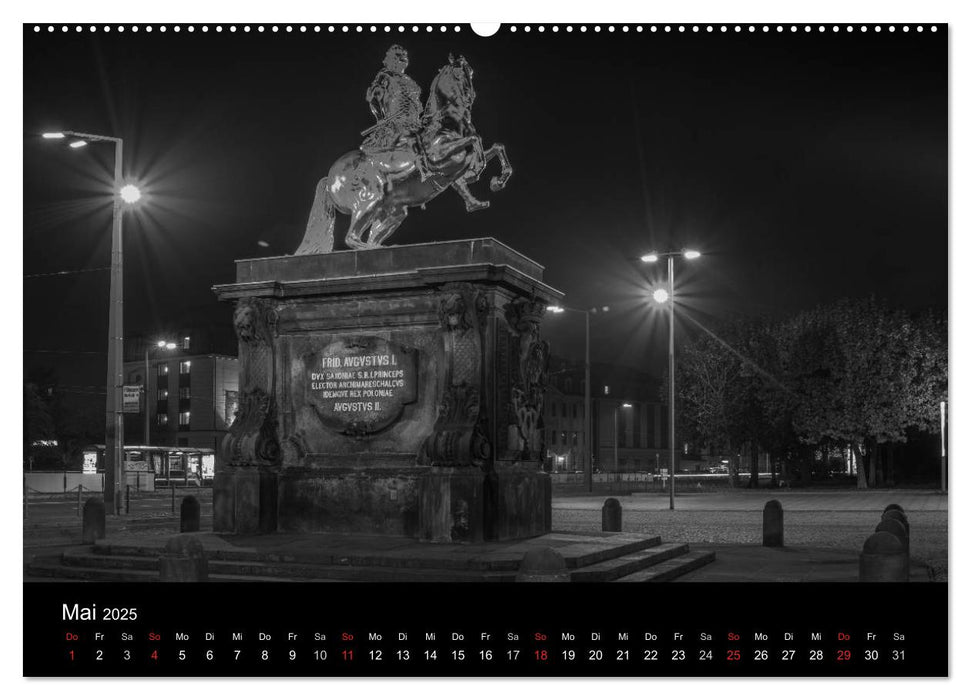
395, 390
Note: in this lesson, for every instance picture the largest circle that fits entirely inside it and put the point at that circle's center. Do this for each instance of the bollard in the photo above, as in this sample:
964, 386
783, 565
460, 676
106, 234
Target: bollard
26, 497
884, 559
897, 529
611, 515
893, 506
772, 525
79, 499
127, 499
543, 565
899, 517
173, 498
189, 514
183, 561
93, 522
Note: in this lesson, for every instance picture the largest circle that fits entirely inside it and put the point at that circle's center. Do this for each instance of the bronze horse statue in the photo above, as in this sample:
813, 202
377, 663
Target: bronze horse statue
376, 189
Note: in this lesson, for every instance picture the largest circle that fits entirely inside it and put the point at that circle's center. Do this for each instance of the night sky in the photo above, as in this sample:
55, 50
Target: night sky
805, 167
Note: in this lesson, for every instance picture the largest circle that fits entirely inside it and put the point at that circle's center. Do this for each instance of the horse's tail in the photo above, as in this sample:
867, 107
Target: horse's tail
319, 237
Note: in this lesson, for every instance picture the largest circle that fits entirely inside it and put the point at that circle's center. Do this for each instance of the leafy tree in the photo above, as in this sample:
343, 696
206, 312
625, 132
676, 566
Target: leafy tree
863, 374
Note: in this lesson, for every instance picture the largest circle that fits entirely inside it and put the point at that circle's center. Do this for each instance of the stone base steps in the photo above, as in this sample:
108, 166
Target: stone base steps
631, 560
670, 569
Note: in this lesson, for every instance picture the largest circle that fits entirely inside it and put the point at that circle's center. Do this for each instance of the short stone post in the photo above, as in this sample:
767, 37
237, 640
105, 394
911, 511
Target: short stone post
93, 521
183, 561
173, 498
897, 515
127, 499
189, 515
893, 506
897, 529
612, 515
884, 559
543, 565
772, 525
79, 499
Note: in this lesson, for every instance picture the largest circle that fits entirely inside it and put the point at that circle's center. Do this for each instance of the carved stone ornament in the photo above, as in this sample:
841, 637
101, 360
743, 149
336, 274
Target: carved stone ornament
255, 321
529, 383
252, 437
460, 436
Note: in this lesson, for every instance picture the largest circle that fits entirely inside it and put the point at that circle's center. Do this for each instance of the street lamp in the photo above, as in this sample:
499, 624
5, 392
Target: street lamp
114, 418
666, 296
587, 415
617, 434
162, 344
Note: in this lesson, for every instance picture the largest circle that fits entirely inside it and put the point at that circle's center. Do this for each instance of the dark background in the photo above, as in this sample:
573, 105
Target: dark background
805, 166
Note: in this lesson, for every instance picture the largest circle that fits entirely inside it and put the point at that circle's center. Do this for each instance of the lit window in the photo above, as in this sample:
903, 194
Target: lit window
185, 343
184, 418
163, 394
184, 392
163, 370
184, 367
163, 418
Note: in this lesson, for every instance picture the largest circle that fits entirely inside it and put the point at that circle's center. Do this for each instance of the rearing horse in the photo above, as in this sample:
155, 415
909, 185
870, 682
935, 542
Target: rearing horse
376, 190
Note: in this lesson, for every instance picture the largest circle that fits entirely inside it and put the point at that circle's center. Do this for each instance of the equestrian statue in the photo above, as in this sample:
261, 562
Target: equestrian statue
409, 157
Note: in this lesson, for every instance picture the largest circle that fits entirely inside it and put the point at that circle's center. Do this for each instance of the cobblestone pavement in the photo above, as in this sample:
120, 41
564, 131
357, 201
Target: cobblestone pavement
845, 530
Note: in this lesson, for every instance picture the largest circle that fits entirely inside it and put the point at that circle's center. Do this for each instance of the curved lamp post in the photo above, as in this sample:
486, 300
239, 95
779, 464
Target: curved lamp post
114, 418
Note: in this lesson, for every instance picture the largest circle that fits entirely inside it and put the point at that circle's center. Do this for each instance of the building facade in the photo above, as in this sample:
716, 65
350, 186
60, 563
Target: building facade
191, 397
629, 423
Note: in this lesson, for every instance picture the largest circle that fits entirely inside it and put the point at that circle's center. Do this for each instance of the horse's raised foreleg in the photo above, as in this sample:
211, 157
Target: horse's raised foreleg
471, 203
498, 150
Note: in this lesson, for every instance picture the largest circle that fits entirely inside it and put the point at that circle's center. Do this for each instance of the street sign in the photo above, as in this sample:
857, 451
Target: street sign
132, 400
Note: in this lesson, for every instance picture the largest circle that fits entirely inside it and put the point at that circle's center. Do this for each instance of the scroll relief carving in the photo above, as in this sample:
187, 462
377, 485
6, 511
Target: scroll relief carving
530, 377
252, 438
461, 435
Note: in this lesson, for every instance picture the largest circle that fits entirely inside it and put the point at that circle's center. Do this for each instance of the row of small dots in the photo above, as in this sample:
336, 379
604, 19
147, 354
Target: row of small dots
512, 28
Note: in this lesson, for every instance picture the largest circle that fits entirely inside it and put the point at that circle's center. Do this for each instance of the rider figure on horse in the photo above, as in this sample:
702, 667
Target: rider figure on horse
395, 101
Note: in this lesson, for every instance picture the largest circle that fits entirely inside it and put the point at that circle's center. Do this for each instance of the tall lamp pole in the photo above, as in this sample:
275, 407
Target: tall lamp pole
114, 417
158, 346
587, 413
662, 296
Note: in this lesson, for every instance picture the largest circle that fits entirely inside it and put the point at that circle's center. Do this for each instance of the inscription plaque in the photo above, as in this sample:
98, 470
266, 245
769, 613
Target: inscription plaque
361, 385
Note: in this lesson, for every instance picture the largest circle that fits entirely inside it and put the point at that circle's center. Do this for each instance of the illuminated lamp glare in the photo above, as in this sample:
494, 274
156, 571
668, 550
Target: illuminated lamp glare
130, 194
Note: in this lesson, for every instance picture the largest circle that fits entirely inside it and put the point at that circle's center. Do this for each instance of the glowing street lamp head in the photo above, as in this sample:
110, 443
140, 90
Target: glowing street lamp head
80, 143
691, 254
660, 295
649, 258
161, 343
53, 135
170, 346
130, 194
626, 405
555, 309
